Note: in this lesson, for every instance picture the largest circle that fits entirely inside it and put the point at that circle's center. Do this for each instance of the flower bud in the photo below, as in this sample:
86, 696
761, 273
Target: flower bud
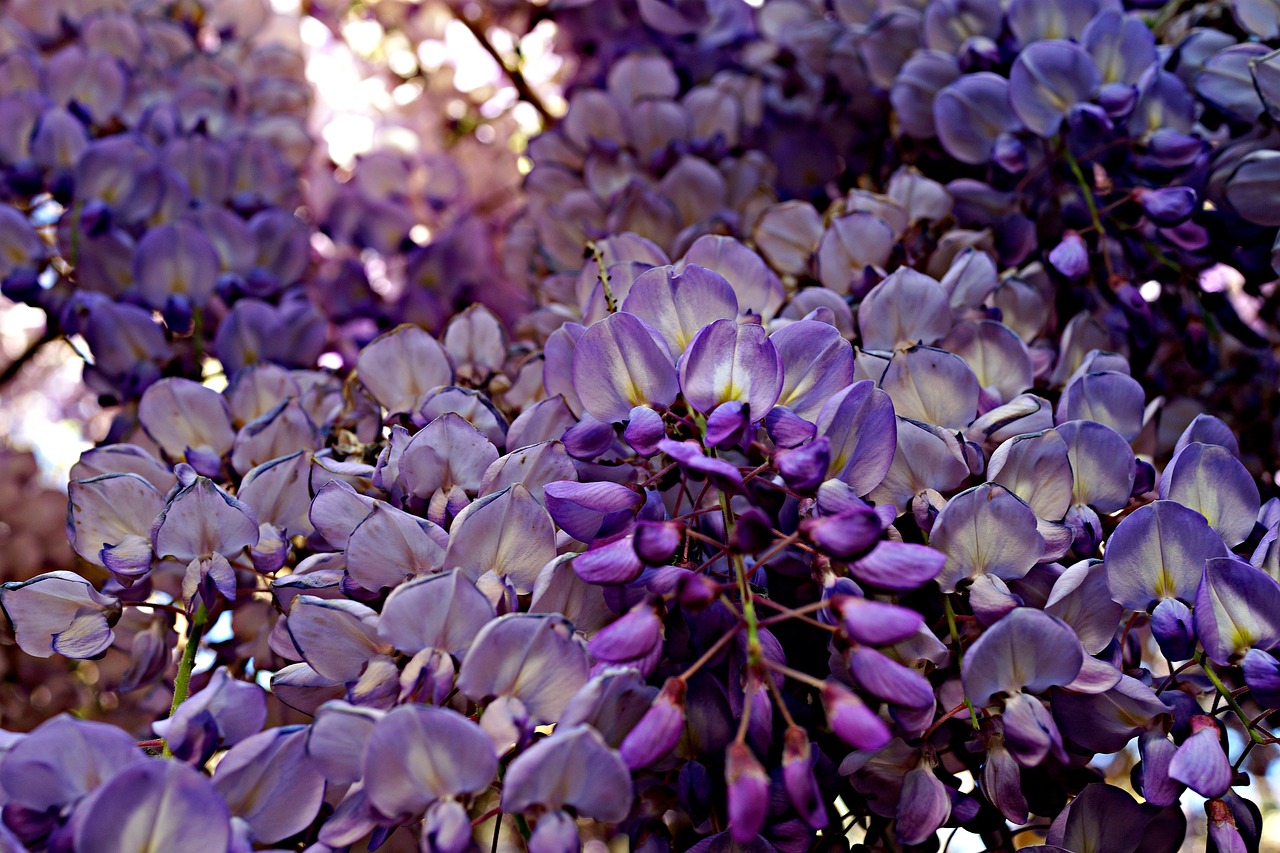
644, 430
446, 828
656, 542
847, 535
634, 640
752, 532
805, 467
659, 729
748, 793
923, 806
1071, 256
1174, 630
1222, 828
786, 428
727, 424
851, 720
1200, 763
1168, 205
797, 776
874, 622
555, 832
1262, 675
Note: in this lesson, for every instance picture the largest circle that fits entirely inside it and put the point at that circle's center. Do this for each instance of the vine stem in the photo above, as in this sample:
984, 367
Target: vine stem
955, 638
182, 683
13, 368
514, 74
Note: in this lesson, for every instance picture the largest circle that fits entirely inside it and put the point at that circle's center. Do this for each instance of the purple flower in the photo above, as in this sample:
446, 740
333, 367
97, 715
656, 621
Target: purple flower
60, 612
158, 805
622, 362
417, 755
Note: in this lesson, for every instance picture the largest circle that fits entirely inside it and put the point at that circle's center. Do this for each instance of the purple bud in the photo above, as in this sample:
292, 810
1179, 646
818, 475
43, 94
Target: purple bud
1174, 150
588, 438
644, 430
797, 776
1029, 730
1200, 763
589, 510
1144, 477
1086, 529
1157, 750
656, 542
1174, 629
446, 828
555, 832
851, 720
727, 424
1071, 256
847, 535
1262, 674
924, 806
748, 793
752, 532
1222, 828
696, 592
1010, 154
178, 313
659, 729
875, 622
786, 428
805, 467
1167, 206
635, 640
1001, 781
609, 561
1117, 99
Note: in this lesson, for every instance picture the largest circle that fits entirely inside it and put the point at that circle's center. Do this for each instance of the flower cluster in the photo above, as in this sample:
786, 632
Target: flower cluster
150, 166
728, 555
755, 503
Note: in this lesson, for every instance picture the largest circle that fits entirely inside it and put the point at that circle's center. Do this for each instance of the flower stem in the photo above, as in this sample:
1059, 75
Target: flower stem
754, 654
955, 639
1227, 697
197, 338
1087, 192
182, 683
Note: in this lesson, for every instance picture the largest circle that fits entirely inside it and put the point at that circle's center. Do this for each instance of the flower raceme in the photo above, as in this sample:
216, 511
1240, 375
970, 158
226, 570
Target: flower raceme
484, 589
785, 509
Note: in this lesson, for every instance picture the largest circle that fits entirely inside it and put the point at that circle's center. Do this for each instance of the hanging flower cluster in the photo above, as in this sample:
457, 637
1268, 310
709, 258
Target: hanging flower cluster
150, 167
783, 505
729, 554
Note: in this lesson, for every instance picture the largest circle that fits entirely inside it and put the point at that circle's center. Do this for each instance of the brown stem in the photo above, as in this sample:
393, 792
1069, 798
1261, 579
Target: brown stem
523, 89
14, 367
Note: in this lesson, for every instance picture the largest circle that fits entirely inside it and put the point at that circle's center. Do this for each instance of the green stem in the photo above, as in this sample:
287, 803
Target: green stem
955, 639
182, 683
1225, 693
754, 653
1087, 192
